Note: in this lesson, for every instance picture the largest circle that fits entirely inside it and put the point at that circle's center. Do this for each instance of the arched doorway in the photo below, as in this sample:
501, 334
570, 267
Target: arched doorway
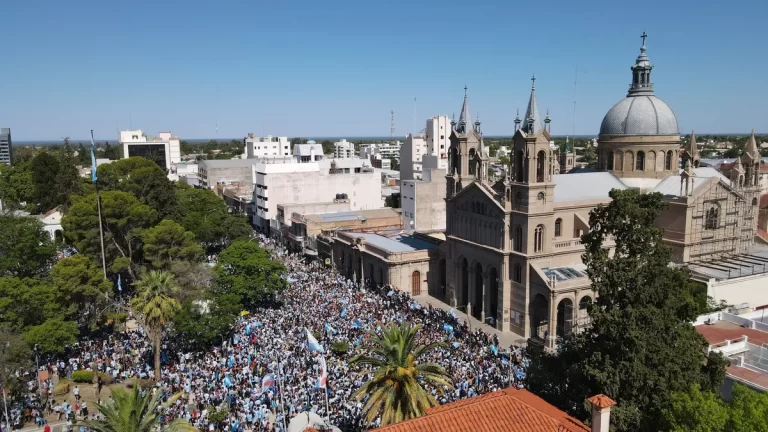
564, 317
493, 294
583, 317
539, 321
454, 155
416, 283
464, 300
441, 276
58, 237
477, 302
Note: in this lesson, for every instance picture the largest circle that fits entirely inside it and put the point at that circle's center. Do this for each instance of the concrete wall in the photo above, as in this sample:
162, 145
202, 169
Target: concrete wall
752, 290
423, 202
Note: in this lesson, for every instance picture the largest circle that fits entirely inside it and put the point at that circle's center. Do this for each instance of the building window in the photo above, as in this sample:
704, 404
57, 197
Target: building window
518, 238
518, 276
711, 221
668, 160
558, 227
538, 242
541, 161
640, 163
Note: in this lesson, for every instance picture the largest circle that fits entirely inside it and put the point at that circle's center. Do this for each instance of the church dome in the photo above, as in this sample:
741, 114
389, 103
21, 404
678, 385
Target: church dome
640, 112
640, 115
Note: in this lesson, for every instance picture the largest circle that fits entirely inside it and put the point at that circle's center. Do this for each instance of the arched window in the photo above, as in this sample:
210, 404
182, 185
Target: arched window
640, 163
519, 238
518, 276
558, 227
711, 221
520, 173
668, 161
609, 165
471, 161
754, 201
541, 161
538, 242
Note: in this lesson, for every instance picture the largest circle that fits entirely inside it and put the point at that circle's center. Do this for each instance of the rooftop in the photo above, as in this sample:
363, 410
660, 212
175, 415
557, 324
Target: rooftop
585, 186
226, 163
735, 266
504, 410
670, 186
397, 242
351, 215
565, 273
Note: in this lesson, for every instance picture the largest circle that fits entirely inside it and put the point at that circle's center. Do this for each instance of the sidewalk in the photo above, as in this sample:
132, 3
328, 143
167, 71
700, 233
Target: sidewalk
55, 427
505, 338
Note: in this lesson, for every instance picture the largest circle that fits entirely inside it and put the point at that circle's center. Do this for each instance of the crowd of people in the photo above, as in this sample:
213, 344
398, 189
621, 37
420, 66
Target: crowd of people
265, 372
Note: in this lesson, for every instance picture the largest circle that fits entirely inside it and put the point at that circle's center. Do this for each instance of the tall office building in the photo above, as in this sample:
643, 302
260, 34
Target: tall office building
6, 147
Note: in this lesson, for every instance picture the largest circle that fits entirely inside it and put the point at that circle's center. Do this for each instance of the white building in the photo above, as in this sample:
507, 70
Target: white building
383, 150
164, 149
434, 142
343, 149
410, 157
423, 200
310, 182
268, 146
438, 132
310, 152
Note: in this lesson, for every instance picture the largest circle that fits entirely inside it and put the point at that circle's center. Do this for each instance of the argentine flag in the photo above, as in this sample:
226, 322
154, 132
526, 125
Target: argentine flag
313, 344
227, 381
93, 160
267, 382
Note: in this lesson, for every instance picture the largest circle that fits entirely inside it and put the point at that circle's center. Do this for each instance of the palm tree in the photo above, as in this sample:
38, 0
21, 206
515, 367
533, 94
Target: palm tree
396, 392
134, 412
156, 305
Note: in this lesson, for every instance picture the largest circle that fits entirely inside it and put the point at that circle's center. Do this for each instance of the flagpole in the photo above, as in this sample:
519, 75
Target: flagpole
325, 390
282, 403
98, 205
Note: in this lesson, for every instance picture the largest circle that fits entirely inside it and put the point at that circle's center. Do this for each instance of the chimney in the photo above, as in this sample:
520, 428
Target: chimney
601, 412
311, 153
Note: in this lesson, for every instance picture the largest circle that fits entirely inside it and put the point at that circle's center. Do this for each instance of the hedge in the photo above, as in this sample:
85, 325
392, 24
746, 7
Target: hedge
340, 347
61, 388
82, 376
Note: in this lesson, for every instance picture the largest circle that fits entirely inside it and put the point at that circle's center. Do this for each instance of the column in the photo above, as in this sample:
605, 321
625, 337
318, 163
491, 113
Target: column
483, 298
552, 325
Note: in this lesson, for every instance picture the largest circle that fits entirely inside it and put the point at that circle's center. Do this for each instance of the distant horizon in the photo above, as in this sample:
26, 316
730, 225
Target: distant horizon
51, 142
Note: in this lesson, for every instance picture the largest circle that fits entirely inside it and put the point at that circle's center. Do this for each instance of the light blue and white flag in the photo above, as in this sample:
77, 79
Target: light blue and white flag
343, 312
119, 285
494, 350
447, 327
313, 344
93, 160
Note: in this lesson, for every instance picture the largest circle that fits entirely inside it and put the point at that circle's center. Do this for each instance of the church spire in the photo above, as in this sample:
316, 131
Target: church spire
641, 73
532, 119
751, 147
465, 119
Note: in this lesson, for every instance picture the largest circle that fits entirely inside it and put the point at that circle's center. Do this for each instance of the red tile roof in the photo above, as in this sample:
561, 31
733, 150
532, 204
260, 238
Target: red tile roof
723, 331
504, 410
602, 401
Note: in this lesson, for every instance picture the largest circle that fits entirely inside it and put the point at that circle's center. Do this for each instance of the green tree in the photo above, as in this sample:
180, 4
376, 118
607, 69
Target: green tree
328, 147
144, 179
396, 391
193, 279
17, 188
26, 249
504, 160
26, 302
168, 242
135, 411
156, 306
695, 411
45, 169
199, 328
395, 163
124, 219
83, 155
15, 354
206, 215
52, 336
748, 410
112, 152
246, 270
589, 156
639, 298
81, 290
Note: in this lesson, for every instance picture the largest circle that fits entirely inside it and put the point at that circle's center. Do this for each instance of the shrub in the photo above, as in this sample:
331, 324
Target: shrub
107, 379
340, 348
217, 416
82, 376
61, 388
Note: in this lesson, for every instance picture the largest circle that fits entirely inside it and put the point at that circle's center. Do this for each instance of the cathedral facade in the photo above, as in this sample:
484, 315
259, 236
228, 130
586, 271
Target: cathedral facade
512, 254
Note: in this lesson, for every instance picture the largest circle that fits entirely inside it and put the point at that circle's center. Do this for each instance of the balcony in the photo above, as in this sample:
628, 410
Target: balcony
295, 237
567, 244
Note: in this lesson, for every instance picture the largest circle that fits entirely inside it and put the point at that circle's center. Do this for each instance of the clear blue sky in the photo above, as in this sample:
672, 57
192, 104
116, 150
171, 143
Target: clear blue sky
336, 68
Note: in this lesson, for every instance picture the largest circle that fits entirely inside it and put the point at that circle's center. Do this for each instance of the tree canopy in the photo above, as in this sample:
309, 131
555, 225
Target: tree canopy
167, 242
206, 215
704, 411
124, 219
81, 289
26, 249
144, 179
247, 270
641, 347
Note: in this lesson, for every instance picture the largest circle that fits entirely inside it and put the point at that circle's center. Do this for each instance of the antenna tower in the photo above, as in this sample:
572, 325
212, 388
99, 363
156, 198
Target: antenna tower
392, 126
